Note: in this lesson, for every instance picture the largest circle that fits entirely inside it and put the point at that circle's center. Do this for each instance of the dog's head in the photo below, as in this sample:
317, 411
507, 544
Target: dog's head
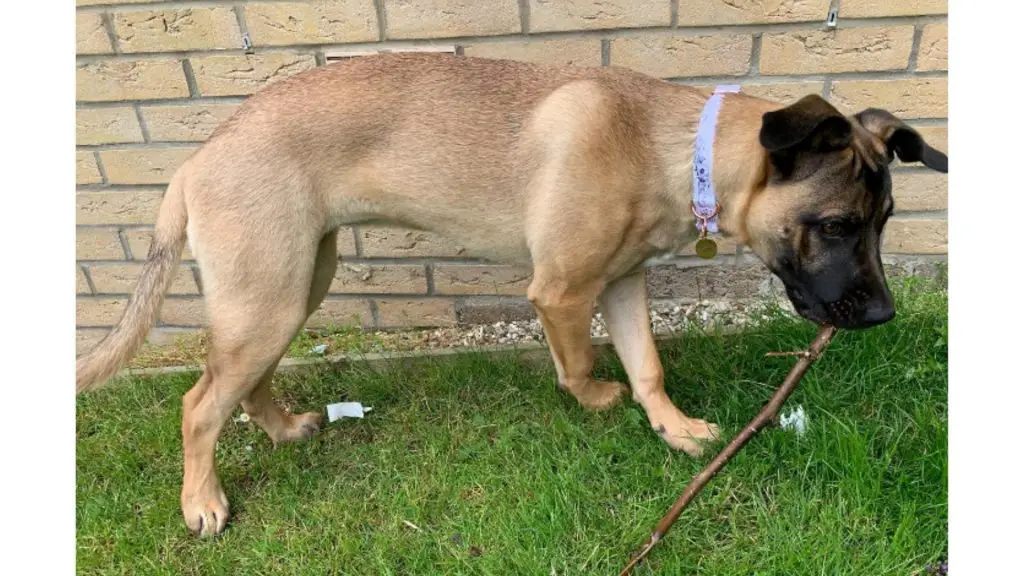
818, 221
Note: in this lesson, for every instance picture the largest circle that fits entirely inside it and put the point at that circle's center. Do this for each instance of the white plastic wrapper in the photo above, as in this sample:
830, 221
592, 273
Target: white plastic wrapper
795, 420
346, 410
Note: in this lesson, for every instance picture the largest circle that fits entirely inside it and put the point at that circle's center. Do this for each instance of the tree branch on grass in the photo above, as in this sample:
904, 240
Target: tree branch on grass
763, 418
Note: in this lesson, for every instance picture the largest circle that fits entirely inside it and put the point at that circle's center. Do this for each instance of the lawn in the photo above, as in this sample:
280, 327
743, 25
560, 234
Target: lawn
478, 465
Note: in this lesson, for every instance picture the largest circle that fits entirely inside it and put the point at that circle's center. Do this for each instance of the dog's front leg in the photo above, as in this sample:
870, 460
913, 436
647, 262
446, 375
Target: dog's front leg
624, 307
565, 311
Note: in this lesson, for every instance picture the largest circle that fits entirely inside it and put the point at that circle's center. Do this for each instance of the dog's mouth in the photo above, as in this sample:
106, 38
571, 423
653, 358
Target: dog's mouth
855, 311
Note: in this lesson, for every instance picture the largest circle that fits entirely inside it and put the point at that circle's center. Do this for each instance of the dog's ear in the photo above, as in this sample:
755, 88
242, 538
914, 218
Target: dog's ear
809, 125
901, 140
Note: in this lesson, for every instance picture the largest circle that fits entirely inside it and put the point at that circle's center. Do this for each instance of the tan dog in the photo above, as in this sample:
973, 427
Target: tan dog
581, 173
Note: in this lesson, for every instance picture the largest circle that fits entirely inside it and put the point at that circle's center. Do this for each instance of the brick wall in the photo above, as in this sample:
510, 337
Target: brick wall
155, 78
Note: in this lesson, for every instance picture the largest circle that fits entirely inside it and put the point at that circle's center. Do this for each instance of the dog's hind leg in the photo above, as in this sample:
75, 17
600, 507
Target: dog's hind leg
254, 315
259, 405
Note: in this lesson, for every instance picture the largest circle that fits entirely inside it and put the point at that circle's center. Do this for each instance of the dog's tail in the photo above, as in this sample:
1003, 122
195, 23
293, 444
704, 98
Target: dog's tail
103, 361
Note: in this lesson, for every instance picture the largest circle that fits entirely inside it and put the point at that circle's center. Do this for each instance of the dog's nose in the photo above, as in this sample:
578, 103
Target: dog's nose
877, 313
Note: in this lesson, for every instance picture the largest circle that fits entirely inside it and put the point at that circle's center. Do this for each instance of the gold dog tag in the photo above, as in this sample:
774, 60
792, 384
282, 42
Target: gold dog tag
706, 248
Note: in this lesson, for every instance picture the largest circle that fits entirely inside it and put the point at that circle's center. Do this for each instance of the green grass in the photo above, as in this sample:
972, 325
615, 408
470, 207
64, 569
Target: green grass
505, 475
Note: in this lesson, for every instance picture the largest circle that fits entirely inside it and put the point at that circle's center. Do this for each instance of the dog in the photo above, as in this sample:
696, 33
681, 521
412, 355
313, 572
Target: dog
582, 174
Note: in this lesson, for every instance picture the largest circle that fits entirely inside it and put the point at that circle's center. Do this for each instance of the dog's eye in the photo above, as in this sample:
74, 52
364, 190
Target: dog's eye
832, 228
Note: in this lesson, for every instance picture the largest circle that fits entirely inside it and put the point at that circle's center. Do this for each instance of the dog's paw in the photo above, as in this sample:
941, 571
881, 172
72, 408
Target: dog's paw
691, 435
302, 427
596, 395
205, 510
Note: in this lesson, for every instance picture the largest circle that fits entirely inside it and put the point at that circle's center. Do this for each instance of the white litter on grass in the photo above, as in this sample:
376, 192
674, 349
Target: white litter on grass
319, 349
795, 420
346, 410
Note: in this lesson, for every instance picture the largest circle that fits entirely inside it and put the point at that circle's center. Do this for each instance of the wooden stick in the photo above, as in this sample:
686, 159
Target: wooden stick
770, 410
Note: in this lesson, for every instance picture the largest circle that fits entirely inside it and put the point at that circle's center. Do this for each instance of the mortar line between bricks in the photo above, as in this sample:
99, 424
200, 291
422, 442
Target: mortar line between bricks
357, 242
119, 188
108, 25
690, 31
673, 8
99, 165
606, 52
826, 88
190, 78
915, 48
374, 312
126, 246
755, 56
198, 280
921, 215
142, 124
207, 100
88, 280
243, 26
158, 145
524, 17
382, 20
429, 272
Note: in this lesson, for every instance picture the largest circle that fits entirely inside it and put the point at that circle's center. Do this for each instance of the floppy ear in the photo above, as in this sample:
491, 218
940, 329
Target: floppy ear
809, 125
901, 140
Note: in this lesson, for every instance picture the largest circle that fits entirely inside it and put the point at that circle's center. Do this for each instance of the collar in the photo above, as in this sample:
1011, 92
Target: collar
705, 203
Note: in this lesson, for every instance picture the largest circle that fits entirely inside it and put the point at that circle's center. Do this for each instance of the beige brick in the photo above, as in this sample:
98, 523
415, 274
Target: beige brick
185, 122
936, 136
90, 34
81, 284
552, 15
933, 53
400, 243
338, 313
143, 166
346, 242
919, 191
676, 56
287, 23
907, 99
117, 207
176, 30
183, 312
97, 244
86, 169
429, 312
705, 282
122, 278
783, 92
480, 279
845, 50
450, 18
914, 236
126, 80
722, 12
99, 311
140, 239
87, 338
351, 278
577, 51
223, 75
876, 8
107, 125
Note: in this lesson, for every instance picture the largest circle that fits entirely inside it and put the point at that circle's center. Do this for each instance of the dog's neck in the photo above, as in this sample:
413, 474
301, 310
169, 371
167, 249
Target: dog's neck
740, 162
